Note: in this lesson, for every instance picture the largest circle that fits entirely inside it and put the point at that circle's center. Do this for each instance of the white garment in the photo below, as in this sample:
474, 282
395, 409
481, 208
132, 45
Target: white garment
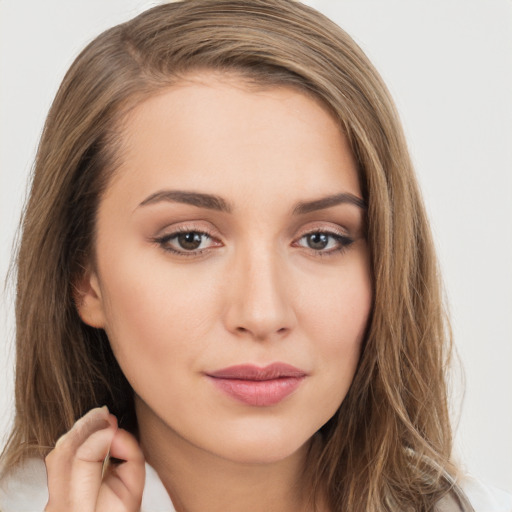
25, 491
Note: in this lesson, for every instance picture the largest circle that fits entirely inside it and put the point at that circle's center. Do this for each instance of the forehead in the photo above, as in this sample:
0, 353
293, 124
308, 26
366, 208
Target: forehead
220, 132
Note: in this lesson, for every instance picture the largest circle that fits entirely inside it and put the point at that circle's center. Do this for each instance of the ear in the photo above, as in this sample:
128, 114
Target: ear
88, 300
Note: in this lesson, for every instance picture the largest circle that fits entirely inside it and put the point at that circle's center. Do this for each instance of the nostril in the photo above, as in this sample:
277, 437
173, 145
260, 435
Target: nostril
245, 330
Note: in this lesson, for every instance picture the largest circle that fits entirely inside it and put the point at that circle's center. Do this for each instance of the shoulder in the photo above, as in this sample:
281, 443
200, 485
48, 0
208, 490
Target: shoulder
484, 497
471, 495
25, 490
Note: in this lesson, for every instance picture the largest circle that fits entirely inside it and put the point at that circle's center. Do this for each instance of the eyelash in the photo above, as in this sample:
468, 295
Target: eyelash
163, 241
342, 241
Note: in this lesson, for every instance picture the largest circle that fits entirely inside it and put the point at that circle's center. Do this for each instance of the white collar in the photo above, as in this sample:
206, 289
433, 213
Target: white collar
155, 497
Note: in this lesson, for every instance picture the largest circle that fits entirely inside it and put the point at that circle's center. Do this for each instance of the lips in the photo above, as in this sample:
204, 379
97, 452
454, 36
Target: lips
258, 386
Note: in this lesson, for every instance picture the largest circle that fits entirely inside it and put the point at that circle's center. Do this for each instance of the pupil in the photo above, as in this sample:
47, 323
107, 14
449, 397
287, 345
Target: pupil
189, 241
318, 240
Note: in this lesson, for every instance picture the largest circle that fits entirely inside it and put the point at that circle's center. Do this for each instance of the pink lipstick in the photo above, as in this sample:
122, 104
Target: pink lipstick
257, 386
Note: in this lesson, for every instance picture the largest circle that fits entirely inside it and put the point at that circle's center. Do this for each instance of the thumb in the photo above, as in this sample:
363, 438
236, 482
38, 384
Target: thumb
74, 466
123, 480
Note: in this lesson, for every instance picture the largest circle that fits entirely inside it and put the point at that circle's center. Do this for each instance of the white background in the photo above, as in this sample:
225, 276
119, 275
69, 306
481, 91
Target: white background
448, 64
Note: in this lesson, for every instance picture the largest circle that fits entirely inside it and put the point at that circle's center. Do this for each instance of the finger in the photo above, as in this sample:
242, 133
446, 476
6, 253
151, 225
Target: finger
74, 466
94, 420
97, 445
123, 481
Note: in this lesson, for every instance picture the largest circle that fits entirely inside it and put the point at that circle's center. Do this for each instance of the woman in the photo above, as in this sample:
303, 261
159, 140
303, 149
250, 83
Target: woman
226, 233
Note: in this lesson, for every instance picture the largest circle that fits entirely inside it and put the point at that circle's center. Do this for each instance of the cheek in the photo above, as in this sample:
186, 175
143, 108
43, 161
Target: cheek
153, 314
338, 314
338, 307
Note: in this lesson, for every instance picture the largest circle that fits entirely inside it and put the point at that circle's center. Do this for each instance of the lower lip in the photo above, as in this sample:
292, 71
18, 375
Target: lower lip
261, 393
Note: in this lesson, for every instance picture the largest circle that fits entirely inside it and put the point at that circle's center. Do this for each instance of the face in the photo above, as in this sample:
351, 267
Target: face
231, 272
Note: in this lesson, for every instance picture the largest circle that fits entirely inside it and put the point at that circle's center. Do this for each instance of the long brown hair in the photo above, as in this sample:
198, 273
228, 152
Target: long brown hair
388, 446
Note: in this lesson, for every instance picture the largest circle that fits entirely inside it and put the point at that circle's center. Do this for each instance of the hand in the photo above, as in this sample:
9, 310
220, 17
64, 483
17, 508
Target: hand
78, 479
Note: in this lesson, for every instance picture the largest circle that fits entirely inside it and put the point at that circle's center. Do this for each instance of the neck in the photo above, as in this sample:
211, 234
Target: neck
198, 480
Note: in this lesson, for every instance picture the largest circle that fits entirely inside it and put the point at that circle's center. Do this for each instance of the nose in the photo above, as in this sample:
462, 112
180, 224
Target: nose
259, 297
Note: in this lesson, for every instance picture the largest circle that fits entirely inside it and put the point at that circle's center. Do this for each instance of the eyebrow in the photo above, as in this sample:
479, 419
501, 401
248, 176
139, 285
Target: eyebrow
209, 201
327, 202
213, 202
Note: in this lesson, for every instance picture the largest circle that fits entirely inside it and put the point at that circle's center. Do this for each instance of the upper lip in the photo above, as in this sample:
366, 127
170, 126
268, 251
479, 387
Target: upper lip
258, 373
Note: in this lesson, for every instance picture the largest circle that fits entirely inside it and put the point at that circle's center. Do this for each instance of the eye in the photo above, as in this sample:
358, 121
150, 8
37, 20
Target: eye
324, 242
187, 243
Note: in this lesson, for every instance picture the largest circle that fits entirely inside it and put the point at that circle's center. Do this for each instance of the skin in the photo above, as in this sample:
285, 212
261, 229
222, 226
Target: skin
77, 478
260, 288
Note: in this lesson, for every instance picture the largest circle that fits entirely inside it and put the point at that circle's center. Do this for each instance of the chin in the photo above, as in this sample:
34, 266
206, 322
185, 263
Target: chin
259, 455
261, 446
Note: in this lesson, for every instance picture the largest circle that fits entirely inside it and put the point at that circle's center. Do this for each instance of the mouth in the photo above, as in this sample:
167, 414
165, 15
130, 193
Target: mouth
256, 386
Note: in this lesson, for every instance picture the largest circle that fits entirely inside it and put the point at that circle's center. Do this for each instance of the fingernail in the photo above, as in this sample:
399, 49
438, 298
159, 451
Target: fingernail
105, 408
